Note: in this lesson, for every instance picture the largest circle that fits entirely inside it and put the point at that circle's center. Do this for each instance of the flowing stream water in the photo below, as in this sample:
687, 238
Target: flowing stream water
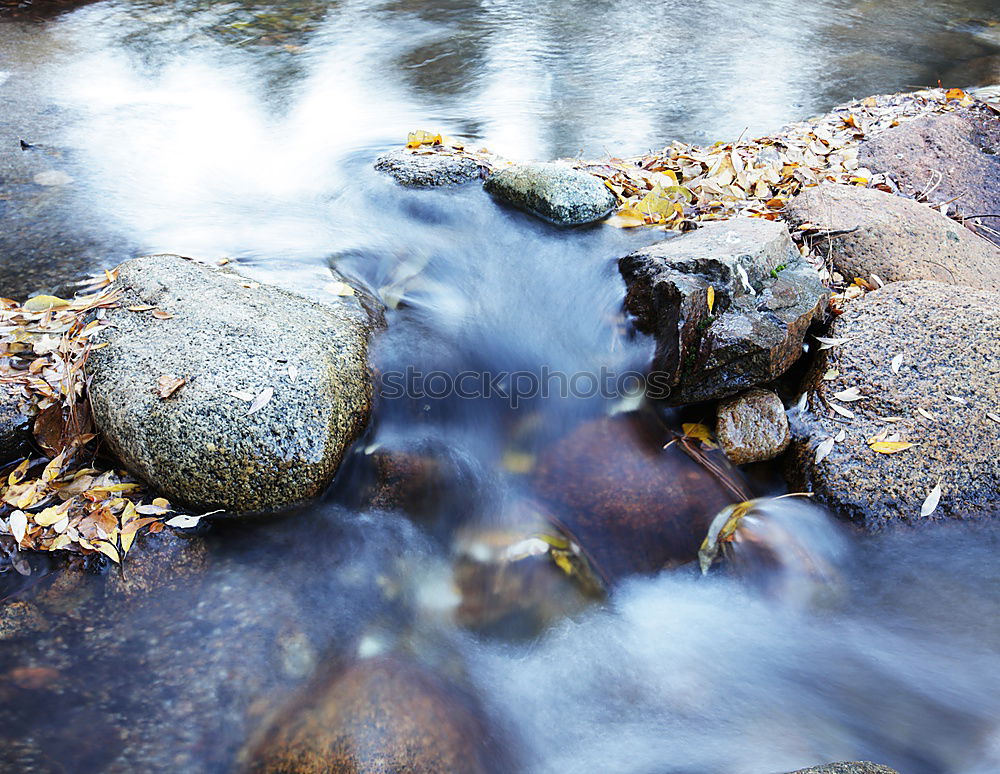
247, 130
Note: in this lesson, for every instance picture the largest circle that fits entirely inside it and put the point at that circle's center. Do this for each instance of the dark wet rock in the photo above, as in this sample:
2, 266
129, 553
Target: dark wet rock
949, 340
553, 192
38, 10
853, 767
227, 334
949, 157
20, 619
895, 238
752, 427
13, 424
413, 168
766, 297
632, 505
386, 714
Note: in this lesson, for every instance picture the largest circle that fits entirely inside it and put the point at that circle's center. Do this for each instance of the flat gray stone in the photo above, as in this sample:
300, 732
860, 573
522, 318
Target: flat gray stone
553, 192
201, 445
852, 767
766, 297
948, 338
422, 169
896, 238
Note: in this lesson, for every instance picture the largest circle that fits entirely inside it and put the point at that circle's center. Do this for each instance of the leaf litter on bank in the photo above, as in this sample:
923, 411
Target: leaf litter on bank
63, 500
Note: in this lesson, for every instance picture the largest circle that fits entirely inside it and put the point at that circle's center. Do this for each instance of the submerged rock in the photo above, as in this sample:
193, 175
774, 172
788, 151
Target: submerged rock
944, 341
946, 157
13, 424
553, 192
275, 387
632, 505
765, 298
752, 427
852, 767
385, 714
896, 238
428, 169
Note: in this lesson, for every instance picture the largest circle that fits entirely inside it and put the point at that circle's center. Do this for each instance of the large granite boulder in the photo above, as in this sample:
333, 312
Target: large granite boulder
554, 192
765, 298
752, 427
916, 362
385, 714
944, 157
226, 393
423, 170
894, 237
850, 767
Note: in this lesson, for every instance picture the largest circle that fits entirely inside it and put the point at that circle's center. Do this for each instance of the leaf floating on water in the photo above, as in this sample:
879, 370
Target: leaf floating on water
932, 500
38, 304
261, 400
896, 363
183, 521
700, 432
167, 385
890, 447
823, 449
849, 395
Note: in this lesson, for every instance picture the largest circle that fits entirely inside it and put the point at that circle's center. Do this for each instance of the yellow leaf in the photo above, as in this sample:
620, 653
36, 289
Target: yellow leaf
420, 137
699, 431
629, 220
108, 550
49, 516
954, 94
518, 462
44, 304
711, 298
891, 447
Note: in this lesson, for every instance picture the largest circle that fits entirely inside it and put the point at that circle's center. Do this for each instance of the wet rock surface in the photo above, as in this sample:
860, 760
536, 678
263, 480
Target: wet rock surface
752, 427
301, 366
385, 714
949, 157
853, 767
765, 298
13, 424
553, 192
633, 506
895, 238
947, 341
422, 170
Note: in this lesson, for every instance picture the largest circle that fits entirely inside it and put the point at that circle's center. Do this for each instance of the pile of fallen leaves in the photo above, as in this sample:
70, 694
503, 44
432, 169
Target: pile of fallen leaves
59, 499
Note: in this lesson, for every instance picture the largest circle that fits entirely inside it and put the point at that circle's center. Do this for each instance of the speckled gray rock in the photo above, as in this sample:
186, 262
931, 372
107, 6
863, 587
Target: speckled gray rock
13, 424
553, 192
766, 297
896, 238
752, 427
201, 445
422, 169
851, 767
949, 340
957, 153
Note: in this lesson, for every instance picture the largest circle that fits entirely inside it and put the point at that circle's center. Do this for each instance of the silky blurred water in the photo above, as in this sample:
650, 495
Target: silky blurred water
247, 131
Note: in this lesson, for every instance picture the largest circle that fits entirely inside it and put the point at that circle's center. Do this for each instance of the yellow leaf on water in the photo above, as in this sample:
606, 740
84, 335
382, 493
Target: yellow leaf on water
700, 432
44, 304
108, 550
891, 447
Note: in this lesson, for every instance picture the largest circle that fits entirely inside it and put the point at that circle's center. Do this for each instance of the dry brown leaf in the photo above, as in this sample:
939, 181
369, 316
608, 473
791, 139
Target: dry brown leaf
167, 385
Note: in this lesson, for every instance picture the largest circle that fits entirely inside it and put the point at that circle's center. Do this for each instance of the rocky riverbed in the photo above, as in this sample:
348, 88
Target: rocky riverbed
817, 304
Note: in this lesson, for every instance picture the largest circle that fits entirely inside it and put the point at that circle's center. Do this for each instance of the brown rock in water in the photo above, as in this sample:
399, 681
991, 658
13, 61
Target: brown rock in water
896, 238
947, 157
380, 715
633, 506
947, 339
765, 298
752, 427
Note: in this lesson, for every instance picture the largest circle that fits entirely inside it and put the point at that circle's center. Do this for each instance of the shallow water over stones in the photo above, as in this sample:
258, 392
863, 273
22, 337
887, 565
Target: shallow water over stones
248, 131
